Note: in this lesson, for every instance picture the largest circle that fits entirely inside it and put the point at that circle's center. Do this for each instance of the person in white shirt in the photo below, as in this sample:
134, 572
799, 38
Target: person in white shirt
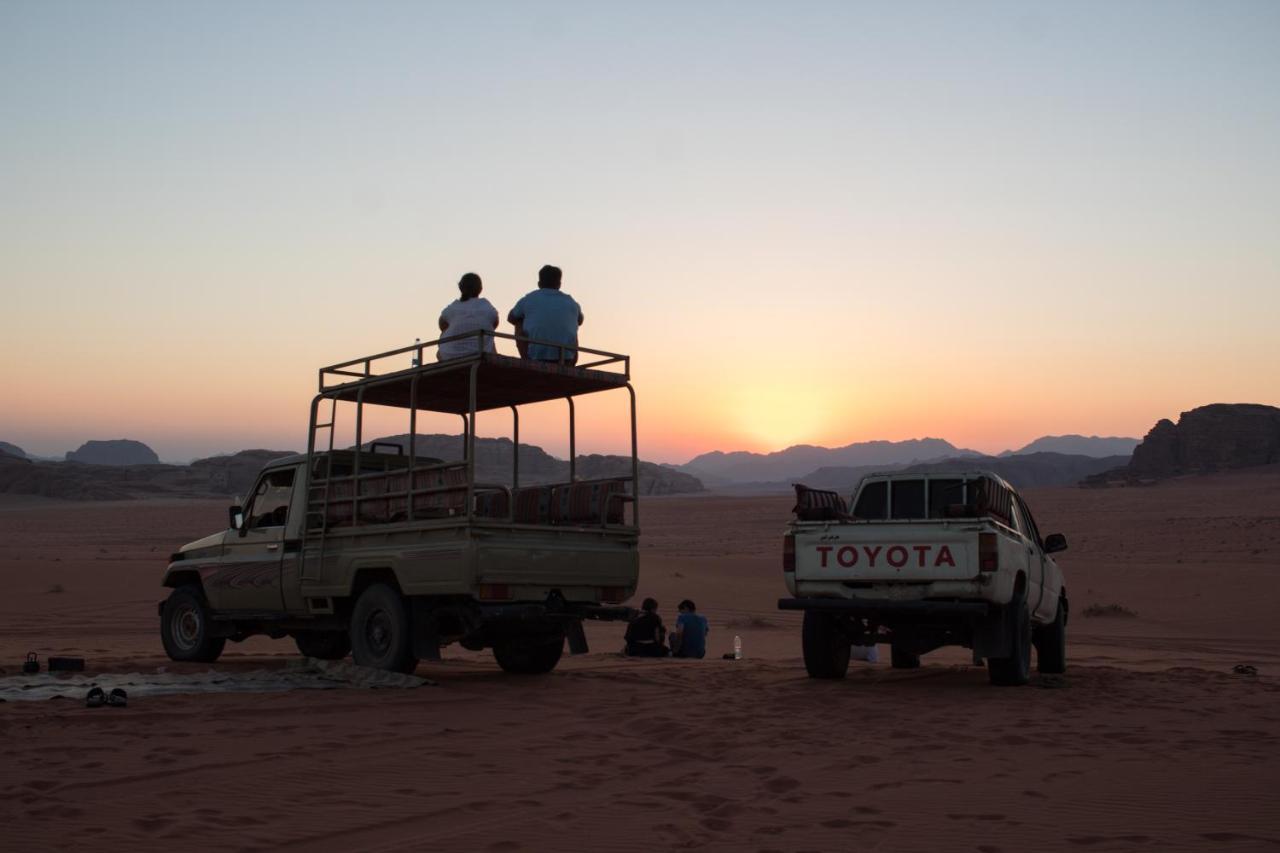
470, 312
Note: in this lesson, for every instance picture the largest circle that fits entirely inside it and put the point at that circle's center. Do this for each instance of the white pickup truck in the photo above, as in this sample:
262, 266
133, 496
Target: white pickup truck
926, 560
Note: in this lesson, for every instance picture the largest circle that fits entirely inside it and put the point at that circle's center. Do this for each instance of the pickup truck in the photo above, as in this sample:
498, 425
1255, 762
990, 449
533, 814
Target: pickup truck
922, 561
377, 551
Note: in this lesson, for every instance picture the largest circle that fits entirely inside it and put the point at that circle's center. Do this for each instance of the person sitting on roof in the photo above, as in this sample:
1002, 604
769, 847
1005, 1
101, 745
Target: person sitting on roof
469, 313
646, 633
548, 316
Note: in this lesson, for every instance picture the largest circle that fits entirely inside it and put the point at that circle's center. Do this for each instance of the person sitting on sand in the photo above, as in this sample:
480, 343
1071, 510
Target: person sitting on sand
689, 639
470, 312
646, 632
549, 315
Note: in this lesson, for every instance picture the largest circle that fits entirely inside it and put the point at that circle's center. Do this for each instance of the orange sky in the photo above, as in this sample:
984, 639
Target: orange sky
975, 226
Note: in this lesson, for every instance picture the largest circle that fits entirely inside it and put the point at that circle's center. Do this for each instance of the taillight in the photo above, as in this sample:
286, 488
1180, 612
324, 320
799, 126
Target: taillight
494, 592
789, 552
988, 553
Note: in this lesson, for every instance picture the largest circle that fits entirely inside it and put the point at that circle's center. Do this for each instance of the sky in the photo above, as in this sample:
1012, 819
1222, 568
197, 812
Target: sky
806, 222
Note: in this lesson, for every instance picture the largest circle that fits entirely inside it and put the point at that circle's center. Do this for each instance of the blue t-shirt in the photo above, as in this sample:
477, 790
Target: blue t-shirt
693, 634
552, 316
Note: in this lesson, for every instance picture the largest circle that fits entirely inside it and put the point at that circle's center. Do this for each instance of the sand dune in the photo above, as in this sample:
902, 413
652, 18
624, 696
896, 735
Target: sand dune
1150, 742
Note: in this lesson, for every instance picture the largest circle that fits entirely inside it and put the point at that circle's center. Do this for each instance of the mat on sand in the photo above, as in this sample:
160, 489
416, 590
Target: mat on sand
308, 674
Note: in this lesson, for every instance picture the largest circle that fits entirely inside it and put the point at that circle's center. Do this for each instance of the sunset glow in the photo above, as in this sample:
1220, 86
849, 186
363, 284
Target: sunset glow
824, 224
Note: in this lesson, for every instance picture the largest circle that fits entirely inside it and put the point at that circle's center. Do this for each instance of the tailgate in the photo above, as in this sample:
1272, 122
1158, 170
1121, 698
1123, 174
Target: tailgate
871, 551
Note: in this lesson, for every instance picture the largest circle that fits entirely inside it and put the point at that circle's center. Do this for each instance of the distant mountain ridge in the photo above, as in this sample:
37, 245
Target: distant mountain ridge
119, 451
1078, 445
1022, 470
720, 468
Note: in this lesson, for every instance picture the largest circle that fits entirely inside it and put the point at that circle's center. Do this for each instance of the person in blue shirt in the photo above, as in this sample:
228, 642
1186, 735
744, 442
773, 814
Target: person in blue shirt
689, 640
550, 315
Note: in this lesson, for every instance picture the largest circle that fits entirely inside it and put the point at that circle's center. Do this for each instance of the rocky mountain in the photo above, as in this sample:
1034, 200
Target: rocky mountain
1024, 470
720, 468
494, 457
1211, 438
120, 451
1078, 445
12, 450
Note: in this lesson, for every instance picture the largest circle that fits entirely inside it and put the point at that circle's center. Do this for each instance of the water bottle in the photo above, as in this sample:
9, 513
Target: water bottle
737, 647
416, 343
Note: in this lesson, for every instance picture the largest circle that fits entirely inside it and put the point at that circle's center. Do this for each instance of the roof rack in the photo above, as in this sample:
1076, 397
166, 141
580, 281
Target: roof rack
445, 385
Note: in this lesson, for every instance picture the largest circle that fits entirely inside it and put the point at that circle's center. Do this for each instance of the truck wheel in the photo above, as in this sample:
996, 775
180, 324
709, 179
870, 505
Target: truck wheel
380, 635
529, 655
184, 627
902, 659
325, 645
1015, 669
826, 647
1051, 644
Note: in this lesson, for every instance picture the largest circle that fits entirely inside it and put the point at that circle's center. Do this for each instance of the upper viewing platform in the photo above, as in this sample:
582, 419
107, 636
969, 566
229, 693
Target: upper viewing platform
412, 377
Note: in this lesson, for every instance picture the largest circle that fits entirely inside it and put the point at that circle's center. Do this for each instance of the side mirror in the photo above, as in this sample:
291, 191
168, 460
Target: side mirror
1055, 542
236, 517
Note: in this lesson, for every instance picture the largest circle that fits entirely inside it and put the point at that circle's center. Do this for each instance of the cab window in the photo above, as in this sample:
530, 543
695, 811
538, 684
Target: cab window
872, 502
270, 507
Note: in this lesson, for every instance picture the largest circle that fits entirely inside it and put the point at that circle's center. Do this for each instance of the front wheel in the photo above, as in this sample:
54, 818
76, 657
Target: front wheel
185, 629
826, 647
527, 655
1015, 669
380, 630
1051, 644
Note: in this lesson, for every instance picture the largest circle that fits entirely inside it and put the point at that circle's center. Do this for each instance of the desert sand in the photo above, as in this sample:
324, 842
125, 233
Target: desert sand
1151, 742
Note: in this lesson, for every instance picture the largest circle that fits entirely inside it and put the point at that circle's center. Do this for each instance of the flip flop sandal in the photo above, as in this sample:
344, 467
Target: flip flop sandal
118, 698
96, 698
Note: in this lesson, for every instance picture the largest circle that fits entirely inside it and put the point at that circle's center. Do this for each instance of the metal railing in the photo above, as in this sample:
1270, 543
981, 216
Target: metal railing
369, 367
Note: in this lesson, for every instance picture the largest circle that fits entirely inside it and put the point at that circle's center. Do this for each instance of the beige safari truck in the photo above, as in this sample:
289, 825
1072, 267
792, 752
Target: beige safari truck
376, 551
925, 560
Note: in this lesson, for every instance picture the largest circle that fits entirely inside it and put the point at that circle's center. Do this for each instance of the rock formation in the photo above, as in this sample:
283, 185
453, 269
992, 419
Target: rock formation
12, 450
121, 451
1211, 438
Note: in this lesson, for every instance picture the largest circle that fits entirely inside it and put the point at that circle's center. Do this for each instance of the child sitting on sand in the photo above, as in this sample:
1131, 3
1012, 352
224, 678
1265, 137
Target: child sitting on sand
646, 632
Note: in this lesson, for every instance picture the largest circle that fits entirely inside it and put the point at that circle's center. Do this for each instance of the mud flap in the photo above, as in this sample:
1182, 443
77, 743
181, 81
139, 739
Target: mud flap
991, 636
576, 636
426, 636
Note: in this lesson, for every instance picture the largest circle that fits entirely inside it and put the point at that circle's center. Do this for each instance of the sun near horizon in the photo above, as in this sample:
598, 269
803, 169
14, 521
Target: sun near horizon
984, 224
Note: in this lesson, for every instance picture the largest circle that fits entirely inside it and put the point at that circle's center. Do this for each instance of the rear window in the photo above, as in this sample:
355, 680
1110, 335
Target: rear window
908, 499
945, 493
871, 502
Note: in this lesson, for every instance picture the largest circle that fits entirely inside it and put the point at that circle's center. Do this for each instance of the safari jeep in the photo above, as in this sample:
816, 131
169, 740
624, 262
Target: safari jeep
379, 552
926, 560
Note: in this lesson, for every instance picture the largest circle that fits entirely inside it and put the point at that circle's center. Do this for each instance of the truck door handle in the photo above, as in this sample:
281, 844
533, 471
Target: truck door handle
273, 547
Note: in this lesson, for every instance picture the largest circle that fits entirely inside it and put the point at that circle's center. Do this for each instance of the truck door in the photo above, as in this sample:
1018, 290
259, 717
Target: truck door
1050, 579
249, 575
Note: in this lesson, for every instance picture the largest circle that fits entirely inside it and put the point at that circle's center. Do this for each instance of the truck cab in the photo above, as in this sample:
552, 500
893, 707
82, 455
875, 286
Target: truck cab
925, 560
381, 552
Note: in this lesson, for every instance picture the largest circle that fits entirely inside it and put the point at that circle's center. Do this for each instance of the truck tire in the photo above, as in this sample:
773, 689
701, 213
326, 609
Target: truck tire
325, 645
1015, 669
529, 655
185, 628
902, 659
826, 647
1051, 644
380, 630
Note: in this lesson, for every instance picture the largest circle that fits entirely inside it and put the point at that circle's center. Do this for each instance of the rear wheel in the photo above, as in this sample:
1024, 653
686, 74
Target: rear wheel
1051, 643
529, 655
826, 647
1015, 669
325, 645
185, 628
380, 631
902, 659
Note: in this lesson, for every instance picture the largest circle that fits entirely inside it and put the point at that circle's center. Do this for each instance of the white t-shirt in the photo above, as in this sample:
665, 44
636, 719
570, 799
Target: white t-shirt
474, 315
